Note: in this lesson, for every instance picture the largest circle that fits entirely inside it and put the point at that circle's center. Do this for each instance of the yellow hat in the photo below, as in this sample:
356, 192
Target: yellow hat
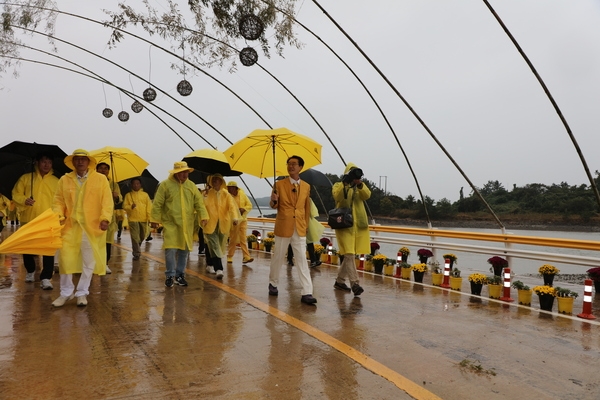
180, 166
80, 153
232, 184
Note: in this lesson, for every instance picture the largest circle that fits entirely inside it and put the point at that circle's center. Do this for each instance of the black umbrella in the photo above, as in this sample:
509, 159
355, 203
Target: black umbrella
149, 184
209, 161
18, 158
313, 178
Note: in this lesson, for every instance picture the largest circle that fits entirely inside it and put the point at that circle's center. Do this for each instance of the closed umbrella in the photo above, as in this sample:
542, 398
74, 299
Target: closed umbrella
123, 162
39, 236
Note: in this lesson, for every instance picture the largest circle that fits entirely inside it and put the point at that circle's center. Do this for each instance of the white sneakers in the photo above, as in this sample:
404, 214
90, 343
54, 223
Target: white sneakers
108, 271
46, 284
30, 277
210, 269
62, 300
81, 301
220, 274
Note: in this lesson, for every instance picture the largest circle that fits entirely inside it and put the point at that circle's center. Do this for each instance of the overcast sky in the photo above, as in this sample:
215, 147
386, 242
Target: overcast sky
450, 60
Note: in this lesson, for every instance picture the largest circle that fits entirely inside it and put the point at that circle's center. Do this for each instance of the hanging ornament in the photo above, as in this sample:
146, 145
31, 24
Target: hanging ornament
251, 27
184, 88
137, 107
123, 116
248, 56
107, 112
149, 94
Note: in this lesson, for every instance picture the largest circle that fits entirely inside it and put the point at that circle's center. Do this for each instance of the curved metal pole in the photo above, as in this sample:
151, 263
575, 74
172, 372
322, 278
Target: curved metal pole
414, 113
551, 98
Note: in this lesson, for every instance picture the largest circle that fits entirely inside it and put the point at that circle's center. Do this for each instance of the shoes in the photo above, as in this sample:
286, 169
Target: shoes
149, 238
46, 284
220, 274
357, 289
180, 280
229, 260
342, 286
169, 281
210, 269
82, 301
30, 277
119, 235
308, 299
290, 263
62, 300
247, 260
315, 264
273, 290
108, 271
135, 258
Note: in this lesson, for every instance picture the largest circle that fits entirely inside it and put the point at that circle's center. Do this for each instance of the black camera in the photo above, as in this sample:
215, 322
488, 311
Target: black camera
354, 173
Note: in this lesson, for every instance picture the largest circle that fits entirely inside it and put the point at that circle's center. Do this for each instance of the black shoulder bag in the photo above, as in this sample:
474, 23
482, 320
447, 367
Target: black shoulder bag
341, 218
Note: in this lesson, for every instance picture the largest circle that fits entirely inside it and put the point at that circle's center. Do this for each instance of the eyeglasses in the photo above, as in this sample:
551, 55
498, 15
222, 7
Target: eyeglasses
292, 164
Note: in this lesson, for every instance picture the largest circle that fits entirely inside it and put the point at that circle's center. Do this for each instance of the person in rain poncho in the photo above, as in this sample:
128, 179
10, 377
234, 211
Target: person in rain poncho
85, 205
223, 214
351, 192
238, 232
104, 169
5, 204
175, 202
137, 205
33, 194
314, 232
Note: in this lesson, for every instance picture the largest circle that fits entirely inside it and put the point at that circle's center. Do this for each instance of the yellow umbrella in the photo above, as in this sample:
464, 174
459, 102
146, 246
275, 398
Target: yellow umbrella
264, 152
124, 163
39, 236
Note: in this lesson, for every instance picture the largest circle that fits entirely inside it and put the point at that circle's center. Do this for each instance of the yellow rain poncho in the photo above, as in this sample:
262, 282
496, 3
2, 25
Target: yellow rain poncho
43, 194
356, 239
113, 226
143, 206
173, 207
315, 228
222, 209
83, 208
4, 207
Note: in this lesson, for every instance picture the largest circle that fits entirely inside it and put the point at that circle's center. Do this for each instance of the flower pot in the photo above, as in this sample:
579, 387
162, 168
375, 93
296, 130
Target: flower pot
495, 291
378, 267
250, 244
565, 305
324, 257
548, 279
546, 301
335, 259
437, 279
261, 246
423, 260
405, 273
369, 266
388, 270
404, 257
268, 247
419, 276
455, 283
524, 297
476, 288
497, 270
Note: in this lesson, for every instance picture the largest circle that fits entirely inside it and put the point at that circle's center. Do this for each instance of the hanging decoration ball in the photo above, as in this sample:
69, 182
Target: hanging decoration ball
184, 88
137, 107
107, 112
149, 94
251, 27
123, 116
248, 56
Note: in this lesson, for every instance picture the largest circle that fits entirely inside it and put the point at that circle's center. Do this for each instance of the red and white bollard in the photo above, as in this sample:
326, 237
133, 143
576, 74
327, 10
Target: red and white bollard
398, 266
329, 253
587, 301
506, 296
446, 283
361, 262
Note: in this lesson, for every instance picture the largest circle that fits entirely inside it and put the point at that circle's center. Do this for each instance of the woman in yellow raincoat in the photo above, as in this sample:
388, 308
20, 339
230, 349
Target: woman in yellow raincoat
4, 206
352, 192
104, 169
223, 213
84, 202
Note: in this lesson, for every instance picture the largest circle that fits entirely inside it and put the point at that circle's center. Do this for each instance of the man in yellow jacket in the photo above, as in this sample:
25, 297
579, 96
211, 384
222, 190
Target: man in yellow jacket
238, 232
175, 202
85, 206
138, 206
33, 194
223, 215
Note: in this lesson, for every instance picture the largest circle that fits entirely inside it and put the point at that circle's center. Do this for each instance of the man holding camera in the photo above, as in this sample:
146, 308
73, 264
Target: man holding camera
351, 192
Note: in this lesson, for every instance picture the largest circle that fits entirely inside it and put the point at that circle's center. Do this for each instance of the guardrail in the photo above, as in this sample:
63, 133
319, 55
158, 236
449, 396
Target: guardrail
431, 239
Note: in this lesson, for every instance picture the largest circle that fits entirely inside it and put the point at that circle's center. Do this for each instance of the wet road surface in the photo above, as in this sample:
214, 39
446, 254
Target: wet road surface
228, 339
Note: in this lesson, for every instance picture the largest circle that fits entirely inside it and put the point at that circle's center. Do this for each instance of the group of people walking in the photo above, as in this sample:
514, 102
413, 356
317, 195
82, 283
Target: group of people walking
85, 200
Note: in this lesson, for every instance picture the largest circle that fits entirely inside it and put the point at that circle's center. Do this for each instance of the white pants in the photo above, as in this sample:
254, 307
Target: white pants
66, 280
299, 248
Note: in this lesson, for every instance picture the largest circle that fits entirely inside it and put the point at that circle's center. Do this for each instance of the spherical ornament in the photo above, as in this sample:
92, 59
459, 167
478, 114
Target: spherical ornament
184, 88
248, 56
251, 27
123, 116
107, 112
149, 94
137, 107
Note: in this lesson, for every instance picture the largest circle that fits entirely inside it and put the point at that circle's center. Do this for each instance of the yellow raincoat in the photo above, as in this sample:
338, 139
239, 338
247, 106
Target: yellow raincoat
89, 204
143, 206
4, 206
222, 209
173, 207
113, 226
356, 239
315, 228
43, 194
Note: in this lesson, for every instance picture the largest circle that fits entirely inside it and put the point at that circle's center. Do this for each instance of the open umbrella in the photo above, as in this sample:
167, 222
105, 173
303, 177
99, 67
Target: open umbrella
210, 161
18, 158
123, 162
149, 184
264, 152
39, 236
313, 178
